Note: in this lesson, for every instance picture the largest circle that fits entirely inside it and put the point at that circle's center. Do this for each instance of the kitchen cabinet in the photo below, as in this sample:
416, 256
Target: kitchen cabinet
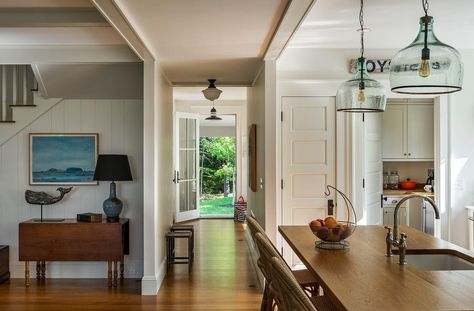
408, 132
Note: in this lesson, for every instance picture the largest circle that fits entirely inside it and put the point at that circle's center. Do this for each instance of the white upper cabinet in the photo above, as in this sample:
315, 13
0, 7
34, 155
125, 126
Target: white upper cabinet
408, 132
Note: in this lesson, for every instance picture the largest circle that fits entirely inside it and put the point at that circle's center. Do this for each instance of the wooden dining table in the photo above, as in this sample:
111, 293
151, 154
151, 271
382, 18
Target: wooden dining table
363, 278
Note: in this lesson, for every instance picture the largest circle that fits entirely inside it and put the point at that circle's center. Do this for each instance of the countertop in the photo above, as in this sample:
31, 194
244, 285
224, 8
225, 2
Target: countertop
362, 278
401, 192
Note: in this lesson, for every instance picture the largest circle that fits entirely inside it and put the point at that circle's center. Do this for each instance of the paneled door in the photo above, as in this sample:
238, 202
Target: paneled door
187, 170
308, 160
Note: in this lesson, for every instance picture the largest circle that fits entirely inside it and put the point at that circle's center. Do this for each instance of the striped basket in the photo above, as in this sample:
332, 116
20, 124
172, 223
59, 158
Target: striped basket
240, 209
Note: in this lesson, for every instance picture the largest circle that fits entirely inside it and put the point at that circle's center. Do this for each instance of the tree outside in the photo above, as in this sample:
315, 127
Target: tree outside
217, 156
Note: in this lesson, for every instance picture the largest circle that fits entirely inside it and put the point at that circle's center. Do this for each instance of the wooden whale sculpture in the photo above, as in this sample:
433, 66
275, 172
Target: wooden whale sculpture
43, 198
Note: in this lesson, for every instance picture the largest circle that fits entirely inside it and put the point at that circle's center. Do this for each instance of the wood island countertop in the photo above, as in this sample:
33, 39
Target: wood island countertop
362, 278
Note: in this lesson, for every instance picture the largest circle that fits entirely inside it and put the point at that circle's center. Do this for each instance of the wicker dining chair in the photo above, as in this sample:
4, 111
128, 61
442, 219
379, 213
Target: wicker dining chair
303, 276
288, 294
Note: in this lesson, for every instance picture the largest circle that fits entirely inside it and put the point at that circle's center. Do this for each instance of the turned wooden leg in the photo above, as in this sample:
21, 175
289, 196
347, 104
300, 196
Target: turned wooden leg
38, 270
122, 269
115, 273
27, 273
43, 270
109, 274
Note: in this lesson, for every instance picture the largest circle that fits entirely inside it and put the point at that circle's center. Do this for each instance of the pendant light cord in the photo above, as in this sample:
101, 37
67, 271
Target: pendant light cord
361, 59
426, 6
361, 22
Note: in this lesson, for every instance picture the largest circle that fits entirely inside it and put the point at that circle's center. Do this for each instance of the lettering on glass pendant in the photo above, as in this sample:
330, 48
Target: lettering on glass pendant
372, 65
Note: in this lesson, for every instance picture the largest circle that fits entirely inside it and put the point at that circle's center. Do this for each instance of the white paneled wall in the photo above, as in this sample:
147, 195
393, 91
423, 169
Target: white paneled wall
119, 124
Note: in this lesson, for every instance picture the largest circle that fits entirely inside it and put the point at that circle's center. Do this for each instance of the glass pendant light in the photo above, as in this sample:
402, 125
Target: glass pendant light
361, 93
426, 66
212, 93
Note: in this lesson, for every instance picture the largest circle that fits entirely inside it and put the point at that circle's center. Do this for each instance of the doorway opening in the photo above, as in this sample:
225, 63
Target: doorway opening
217, 167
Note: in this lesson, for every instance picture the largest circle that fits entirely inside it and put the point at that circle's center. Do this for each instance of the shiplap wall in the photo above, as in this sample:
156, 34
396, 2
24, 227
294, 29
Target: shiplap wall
119, 124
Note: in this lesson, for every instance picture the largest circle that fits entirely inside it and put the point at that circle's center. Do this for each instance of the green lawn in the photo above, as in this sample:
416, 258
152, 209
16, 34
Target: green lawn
218, 206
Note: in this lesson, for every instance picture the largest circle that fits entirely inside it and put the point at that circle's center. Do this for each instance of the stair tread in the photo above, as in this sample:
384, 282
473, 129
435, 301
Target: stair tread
7, 121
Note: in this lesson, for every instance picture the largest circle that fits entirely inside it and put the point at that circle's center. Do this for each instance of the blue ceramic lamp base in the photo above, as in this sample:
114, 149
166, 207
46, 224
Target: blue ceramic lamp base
113, 206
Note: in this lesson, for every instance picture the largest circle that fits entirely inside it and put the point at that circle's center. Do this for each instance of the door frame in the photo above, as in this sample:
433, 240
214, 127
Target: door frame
226, 107
194, 214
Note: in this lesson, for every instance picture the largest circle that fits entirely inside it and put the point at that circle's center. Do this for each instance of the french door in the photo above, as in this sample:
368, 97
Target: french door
187, 168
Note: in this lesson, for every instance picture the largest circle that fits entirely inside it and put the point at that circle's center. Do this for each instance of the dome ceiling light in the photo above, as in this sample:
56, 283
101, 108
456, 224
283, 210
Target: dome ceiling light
212, 93
361, 93
426, 66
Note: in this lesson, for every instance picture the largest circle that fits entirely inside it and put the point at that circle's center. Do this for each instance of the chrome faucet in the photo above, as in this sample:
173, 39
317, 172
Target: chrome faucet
392, 239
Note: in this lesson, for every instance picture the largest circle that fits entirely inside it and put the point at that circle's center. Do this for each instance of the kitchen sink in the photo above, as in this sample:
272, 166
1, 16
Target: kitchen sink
441, 262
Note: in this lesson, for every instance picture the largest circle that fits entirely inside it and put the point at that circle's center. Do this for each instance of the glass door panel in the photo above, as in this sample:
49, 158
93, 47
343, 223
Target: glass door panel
187, 138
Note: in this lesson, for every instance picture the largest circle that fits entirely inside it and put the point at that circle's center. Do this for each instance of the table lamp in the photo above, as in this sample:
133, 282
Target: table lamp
112, 167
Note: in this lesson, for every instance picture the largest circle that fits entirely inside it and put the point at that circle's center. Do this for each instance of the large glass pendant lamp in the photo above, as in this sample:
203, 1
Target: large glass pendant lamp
426, 66
361, 93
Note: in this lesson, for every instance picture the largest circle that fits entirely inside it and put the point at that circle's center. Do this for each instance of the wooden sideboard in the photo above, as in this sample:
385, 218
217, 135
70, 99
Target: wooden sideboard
70, 240
4, 263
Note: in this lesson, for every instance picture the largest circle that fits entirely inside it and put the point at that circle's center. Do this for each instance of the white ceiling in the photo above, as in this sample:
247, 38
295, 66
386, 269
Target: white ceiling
197, 40
393, 24
45, 4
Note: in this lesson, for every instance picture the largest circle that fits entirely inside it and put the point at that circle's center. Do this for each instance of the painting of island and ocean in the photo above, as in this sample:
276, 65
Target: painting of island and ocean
62, 159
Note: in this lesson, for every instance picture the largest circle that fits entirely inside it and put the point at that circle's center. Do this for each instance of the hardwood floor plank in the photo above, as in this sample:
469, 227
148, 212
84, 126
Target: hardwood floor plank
222, 278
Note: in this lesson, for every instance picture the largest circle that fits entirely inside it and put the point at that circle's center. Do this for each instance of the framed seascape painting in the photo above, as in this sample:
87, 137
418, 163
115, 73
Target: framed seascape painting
63, 159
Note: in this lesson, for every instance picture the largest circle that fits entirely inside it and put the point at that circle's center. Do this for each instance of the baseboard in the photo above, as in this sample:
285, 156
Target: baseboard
253, 258
151, 284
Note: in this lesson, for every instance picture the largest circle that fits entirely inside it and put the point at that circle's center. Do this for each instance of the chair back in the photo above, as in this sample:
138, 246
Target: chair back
266, 252
254, 227
288, 293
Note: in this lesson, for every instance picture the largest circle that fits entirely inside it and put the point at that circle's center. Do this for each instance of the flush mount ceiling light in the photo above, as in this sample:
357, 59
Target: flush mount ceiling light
212, 93
213, 115
361, 93
426, 66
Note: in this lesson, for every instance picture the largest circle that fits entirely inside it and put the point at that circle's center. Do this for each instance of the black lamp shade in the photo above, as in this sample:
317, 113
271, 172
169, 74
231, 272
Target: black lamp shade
112, 167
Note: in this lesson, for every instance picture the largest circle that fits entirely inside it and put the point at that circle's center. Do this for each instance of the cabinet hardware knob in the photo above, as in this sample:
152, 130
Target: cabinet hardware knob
409, 154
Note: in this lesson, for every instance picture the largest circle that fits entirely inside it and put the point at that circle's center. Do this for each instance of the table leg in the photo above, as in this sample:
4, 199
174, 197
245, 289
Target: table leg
27, 273
109, 274
43, 270
38, 270
122, 268
115, 273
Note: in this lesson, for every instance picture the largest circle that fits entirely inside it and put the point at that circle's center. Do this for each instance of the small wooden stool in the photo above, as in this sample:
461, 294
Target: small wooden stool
189, 228
170, 243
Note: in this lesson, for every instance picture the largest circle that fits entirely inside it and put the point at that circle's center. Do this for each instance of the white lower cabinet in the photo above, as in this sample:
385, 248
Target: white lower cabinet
388, 216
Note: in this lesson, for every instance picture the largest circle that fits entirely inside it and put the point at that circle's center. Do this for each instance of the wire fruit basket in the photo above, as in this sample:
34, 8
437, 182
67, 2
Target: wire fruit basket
332, 234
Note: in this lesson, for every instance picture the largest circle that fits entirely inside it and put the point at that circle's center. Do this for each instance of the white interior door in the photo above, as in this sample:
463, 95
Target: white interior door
373, 167
308, 160
187, 168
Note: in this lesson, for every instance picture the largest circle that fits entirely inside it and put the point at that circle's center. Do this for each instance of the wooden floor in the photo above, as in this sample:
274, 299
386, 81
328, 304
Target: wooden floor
223, 278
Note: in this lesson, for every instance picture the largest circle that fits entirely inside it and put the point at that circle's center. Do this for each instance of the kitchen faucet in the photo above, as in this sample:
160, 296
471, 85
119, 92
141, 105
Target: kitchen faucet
392, 239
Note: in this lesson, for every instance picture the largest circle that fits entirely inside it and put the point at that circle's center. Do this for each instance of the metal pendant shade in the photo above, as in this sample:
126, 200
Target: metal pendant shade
427, 65
212, 93
213, 115
361, 93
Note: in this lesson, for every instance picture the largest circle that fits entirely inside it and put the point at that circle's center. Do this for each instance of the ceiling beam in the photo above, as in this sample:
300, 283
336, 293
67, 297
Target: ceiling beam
291, 20
67, 54
115, 17
51, 17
